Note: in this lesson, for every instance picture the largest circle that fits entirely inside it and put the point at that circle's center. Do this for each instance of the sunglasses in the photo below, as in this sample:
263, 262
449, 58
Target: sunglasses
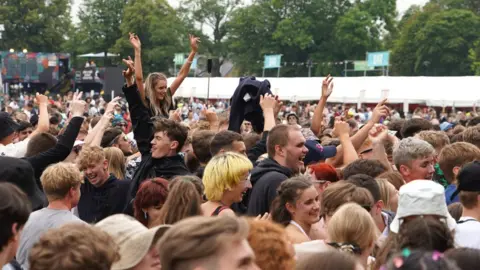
115, 140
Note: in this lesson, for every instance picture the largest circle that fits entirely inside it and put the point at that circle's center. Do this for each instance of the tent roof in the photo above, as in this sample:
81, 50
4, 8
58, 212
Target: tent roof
98, 55
434, 91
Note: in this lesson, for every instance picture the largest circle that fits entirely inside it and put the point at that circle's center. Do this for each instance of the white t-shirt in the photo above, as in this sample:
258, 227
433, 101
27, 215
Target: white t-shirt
38, 223
17, 150
467, 233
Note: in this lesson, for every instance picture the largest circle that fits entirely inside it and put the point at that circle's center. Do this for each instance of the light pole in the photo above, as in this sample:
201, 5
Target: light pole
309, 64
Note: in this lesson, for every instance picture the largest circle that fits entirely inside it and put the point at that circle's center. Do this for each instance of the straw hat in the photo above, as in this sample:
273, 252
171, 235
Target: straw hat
132, 237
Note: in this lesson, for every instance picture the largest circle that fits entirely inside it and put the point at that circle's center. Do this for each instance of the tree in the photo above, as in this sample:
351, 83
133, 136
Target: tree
473, 5
38, 26
356, 33
474, 56
405, 46
213, 15
100, 23
250, 37
445, 41
160, 30
436, 42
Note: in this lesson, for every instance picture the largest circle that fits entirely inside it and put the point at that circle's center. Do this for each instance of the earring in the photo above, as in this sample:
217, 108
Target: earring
145, 215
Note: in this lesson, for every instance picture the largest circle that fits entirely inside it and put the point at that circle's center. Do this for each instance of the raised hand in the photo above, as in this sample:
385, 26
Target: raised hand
194, 42
77, 95
175, 115
327, 86
41, 99
77, 107
341, 128
210, 115
378, 134
268, 102
127, 74
381, 110
111, 105
135, 41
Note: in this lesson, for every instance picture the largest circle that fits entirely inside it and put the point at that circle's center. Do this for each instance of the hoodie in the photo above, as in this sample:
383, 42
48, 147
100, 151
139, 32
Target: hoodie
246, 104
97, 203
266, 178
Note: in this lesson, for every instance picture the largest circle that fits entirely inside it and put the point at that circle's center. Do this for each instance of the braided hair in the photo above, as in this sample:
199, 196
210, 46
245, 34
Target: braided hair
289, 192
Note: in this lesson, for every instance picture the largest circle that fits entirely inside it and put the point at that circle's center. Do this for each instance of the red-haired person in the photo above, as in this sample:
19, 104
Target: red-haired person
322, 176
150, 198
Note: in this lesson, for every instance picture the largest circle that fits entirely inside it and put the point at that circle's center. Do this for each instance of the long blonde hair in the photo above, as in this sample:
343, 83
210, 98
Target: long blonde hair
352, 227
158, 107
116, 162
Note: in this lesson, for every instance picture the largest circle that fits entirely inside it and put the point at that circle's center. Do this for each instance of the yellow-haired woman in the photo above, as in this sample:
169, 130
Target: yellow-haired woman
226, 178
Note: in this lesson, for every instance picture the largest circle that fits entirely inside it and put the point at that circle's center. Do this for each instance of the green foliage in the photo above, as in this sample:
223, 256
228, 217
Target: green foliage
100, 24
356, 33
439, 39
436, 42
474, 56
38, 26
160, 30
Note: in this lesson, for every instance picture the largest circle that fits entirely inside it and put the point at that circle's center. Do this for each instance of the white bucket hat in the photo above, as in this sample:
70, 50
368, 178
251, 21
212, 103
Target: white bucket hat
132, 237
419, 198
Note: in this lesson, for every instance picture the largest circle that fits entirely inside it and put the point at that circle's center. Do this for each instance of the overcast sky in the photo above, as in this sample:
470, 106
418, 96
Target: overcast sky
402, 5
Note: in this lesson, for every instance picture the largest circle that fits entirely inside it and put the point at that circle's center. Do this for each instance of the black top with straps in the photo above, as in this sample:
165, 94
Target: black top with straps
218, 210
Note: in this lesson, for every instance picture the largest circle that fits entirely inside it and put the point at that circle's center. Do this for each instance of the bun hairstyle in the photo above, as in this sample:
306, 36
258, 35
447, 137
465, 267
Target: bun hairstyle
288, 192
347, 247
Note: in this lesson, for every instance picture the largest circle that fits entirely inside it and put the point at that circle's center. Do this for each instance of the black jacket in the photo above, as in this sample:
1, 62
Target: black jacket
249, 110
20, 173
57, 153
266, 178
97, 203
143, 131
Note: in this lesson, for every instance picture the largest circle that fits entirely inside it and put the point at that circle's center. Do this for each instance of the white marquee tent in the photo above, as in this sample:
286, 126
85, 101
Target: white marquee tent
432, 91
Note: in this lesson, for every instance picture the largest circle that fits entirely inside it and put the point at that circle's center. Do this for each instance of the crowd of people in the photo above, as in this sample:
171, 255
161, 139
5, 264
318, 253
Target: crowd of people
145, 181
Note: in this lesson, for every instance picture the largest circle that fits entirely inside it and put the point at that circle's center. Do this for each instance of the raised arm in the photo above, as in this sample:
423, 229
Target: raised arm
43, 119
270, 107
341, 130
381, 110
141, 123
183, 73
94, 137
137, 46
65, 142
317, 120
